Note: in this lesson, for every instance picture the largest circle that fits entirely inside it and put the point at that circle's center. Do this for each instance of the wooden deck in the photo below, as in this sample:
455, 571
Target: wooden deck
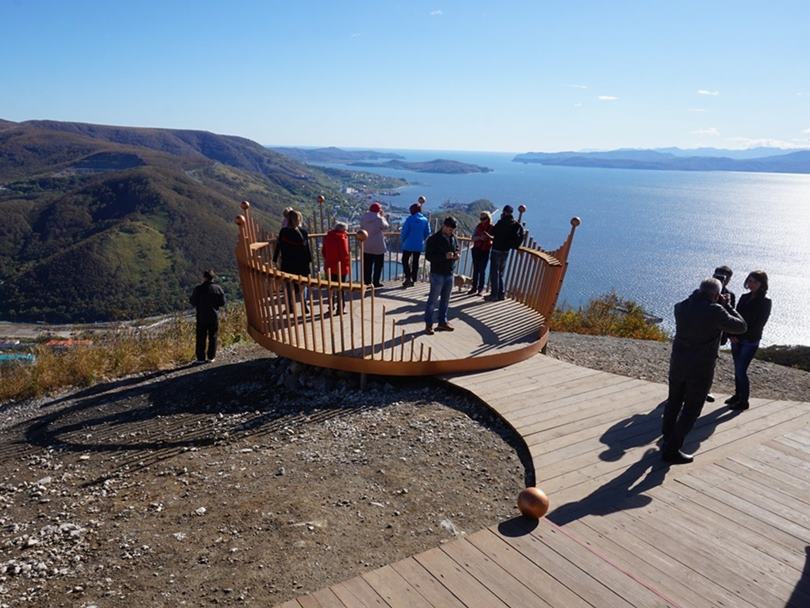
732, 529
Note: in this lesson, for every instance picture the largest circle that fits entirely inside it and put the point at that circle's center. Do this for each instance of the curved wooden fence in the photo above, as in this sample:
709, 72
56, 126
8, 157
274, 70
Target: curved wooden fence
291, 314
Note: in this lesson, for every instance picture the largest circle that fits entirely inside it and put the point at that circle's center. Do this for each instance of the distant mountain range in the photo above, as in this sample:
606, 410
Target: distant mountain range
440, 165
104, 222
769, 160
334, 155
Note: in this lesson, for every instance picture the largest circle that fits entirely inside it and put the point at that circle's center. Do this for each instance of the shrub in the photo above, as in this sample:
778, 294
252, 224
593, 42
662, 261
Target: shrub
609, 315
790, 356
113, 355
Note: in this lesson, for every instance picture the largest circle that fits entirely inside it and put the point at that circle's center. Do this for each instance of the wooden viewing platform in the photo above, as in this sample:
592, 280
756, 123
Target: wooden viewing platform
732, 529
381, 331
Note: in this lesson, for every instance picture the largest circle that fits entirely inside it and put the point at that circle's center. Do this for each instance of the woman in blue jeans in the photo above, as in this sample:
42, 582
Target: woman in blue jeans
755, 308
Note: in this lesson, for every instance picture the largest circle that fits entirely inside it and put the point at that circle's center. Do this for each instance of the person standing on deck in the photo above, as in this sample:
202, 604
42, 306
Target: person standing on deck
336, 260
755, 308
723, 274
506, 234
442, 251
482, 243
374, 249
207, 298
699, 322
412, 237
296, 258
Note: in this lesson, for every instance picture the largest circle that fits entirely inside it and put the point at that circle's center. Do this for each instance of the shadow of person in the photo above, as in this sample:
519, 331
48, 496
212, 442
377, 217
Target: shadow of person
626, 491
801, 592
641, 429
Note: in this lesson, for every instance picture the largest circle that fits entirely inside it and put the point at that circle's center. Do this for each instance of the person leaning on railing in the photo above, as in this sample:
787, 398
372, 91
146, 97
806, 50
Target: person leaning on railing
506, 234
482, 244
374, 249
293, 247
415, 229
442, 251
336, 259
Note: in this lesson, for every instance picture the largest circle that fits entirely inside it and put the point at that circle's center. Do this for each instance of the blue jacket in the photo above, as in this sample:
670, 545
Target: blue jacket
414, 231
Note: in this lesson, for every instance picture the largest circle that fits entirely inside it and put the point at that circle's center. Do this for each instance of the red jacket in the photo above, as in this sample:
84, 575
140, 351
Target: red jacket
336, 251
480, 240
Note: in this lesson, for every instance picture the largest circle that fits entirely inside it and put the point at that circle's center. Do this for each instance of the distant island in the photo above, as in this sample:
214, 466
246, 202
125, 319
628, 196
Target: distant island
440, 165
334, 155
767, 160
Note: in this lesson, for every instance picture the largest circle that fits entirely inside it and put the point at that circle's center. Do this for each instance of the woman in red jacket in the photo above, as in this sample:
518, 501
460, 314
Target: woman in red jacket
336, 258
482, 243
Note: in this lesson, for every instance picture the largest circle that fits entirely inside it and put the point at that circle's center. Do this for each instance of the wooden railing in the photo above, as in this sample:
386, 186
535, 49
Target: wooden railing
291, 314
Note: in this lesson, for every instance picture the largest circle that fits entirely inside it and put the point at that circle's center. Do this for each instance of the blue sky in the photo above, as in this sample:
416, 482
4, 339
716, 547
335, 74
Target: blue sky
493, 75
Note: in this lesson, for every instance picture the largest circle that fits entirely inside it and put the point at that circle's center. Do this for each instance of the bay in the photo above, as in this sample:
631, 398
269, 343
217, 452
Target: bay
651, 236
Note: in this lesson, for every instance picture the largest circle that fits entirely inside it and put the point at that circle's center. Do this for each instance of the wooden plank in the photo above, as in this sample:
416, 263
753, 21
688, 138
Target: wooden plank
461, 583
772, 480
394, 589
289, 604
498, 580
570, 574
426, 584
357, 593
323, 598
526, 571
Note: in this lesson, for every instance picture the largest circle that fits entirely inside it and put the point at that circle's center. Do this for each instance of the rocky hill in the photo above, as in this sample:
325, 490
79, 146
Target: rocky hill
104, 222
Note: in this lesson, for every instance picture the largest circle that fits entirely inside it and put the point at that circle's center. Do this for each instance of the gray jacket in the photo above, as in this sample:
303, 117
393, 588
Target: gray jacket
699, 324
375, 226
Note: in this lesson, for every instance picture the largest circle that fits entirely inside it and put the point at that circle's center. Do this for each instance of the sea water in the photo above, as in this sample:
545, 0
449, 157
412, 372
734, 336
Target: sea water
650, 236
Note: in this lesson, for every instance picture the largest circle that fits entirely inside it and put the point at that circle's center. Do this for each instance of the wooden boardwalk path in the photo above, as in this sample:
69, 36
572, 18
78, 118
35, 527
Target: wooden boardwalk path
732, 529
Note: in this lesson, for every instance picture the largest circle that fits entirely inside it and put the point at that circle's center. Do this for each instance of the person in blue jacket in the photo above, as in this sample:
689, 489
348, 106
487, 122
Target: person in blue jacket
412, 237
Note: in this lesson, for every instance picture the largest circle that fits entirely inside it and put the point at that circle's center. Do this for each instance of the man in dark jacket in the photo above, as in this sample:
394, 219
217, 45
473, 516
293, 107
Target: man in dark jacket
506, 234
441, 250
699, 322
207, 298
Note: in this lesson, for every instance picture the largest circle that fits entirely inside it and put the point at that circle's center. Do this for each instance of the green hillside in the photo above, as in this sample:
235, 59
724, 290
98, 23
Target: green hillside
103, 223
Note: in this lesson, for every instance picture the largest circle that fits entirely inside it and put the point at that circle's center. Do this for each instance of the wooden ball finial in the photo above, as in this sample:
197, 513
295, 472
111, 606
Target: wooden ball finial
321, 199
533, 502
575, 221
245, 205
240, 220
522, 208
361, 235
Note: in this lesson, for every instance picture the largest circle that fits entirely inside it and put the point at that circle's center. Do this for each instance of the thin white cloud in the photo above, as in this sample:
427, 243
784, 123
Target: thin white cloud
806, 130
436, 13
355, 35
697, 109
577, 86
709, 131
577, 105
753, 142
607, 98
707, 92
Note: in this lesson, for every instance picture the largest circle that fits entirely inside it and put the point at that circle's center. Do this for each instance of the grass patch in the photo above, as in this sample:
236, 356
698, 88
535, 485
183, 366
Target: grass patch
115, 355
609, 315
789, 356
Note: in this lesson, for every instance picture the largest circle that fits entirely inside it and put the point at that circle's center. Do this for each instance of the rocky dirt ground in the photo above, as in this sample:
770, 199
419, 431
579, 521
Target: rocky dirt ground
233, 484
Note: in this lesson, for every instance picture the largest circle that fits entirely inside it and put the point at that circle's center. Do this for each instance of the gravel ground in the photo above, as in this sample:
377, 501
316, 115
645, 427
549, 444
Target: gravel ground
649, 360
227, 485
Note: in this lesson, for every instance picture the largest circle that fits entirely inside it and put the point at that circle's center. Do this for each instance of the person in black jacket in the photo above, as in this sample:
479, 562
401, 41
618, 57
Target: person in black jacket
292, 245
755, 308
442, 251
699, 321
506, 234
207, 298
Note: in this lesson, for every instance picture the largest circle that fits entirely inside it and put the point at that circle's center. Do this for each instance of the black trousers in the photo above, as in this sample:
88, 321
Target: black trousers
207, 331
373, 267
687, 394
410, 263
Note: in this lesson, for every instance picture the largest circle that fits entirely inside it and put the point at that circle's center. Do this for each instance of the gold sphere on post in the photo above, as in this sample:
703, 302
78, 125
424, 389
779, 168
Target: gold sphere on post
533, 502
421, 200
522, 208
575, 221
240, 220
321, 199
362, 235
245, 205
